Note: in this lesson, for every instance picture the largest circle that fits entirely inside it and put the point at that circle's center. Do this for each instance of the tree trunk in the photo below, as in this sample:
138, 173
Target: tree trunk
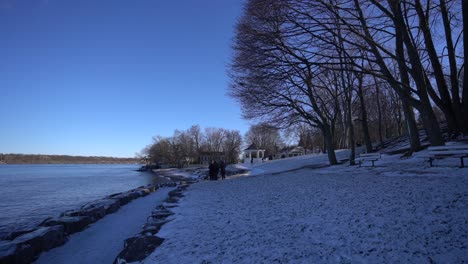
417, 71
442, 99
431, 125
352, 142
413, 133
465, 73
324, 145
398, 116
379, 110
364, 122
329, 145
425, 108
455, 85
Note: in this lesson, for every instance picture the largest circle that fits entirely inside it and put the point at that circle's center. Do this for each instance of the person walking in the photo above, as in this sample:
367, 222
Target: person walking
211, 170
216, 171
222, 167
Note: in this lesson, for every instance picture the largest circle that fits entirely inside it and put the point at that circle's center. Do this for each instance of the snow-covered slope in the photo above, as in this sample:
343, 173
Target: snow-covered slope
399, 211
291, 164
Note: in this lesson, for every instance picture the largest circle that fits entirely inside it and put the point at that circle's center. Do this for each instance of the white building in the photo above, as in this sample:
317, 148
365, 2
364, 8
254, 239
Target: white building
291, 151
252, 154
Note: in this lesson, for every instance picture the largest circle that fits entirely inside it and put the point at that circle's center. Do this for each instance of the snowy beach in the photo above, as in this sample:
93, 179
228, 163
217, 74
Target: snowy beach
400, 211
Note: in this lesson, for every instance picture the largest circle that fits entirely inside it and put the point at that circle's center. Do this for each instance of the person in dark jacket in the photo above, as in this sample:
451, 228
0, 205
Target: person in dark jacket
216, 171
222, 167
213, 170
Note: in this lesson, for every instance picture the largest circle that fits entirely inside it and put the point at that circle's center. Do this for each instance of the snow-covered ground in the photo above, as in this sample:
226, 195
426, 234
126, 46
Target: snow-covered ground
400, 211
102, 241
290, 164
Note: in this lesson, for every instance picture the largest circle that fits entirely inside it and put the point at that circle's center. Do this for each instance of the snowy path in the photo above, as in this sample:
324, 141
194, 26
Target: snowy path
102, 241
400, 212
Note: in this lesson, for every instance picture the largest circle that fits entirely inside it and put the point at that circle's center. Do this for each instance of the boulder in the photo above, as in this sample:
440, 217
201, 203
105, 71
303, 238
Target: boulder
138, 248
176, 193
15, 234
11, 252
168, 184
161, 214
161, 207
164, 211
152, 187
122, 198
185, 184
126, 197
150, 230
170, 205
95, 210
26, 247
101, 207
134, 194
144, 191
43, 238
171, 200
114, 195
110, 205
153, 227
71, 224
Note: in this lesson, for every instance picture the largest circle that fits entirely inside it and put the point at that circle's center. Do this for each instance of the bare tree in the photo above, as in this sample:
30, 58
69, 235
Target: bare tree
370, 26
184, 148
231, 145
264, 136
301, 61
416, 55
448, 100
160, 150
214, 139
276, 73
197, 137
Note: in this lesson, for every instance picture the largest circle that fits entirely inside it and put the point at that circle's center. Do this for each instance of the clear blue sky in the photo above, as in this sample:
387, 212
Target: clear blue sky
102, 77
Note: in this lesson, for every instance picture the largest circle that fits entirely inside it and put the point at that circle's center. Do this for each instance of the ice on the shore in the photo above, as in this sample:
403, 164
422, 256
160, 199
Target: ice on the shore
102, 241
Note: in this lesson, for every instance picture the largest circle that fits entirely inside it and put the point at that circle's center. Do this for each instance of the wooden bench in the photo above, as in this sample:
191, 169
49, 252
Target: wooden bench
448, 151
373, 157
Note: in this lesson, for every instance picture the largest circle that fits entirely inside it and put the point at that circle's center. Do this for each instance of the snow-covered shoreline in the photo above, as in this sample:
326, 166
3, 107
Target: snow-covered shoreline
24, 246
299, 210
102, 241
399, 211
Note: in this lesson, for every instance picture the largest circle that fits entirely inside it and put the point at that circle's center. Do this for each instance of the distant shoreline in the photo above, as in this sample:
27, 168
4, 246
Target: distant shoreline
19, 159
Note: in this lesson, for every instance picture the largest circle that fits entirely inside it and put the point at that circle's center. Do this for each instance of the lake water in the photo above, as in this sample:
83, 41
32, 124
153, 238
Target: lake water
31, 193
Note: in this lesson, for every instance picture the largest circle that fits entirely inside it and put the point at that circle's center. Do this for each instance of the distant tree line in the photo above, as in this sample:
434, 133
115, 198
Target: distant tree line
62, 159
352, 72
188, 146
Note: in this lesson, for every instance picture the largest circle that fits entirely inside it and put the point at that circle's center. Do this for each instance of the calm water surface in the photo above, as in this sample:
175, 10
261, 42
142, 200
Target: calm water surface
31, 193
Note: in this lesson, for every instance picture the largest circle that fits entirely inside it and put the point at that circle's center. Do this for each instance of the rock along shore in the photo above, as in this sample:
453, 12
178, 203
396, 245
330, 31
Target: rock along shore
146, 241
25, 246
